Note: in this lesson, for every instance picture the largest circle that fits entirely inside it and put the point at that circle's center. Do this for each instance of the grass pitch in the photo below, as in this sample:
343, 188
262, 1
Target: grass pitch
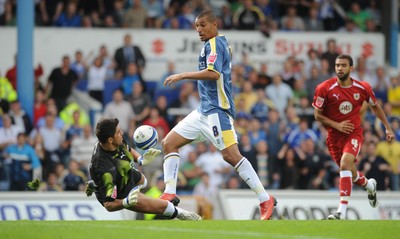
218, 229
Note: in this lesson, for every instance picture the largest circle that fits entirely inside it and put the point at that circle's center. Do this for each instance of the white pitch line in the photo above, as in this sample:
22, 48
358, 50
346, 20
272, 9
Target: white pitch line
211, 232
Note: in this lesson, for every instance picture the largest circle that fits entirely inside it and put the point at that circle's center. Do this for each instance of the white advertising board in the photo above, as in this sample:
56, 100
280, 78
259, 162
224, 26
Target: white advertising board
309, 205
64, 206
183, 46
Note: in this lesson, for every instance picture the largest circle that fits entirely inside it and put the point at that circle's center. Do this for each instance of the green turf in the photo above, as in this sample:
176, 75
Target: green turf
218, 229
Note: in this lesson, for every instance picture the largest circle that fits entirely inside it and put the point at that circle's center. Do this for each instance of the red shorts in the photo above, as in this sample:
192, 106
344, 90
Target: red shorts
340, 144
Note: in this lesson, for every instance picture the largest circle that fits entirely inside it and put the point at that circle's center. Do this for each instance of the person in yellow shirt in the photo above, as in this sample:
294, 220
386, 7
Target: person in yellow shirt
390, 151
394, 95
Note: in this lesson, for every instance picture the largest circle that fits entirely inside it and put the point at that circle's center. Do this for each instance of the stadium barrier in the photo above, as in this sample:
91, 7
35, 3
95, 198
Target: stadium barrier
183, 47
229, 205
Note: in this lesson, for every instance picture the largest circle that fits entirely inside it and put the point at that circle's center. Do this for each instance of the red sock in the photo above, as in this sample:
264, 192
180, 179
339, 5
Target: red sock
345, 186
361, 180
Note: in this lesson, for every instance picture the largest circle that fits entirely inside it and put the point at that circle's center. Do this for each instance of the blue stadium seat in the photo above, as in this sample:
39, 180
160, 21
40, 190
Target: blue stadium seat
110, 86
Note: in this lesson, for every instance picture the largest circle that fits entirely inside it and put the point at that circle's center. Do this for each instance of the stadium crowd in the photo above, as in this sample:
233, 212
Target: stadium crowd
275, 121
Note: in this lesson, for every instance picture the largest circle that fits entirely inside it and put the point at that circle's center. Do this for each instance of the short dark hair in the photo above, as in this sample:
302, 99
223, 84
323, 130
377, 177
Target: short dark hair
208, 14
346, 57
105, 128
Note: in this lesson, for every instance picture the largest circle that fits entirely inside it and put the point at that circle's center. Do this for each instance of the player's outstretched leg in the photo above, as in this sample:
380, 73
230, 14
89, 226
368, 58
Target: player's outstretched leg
372, 198
267, 207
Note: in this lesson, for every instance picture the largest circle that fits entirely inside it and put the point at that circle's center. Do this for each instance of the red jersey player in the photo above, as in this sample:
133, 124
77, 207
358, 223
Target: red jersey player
337, 103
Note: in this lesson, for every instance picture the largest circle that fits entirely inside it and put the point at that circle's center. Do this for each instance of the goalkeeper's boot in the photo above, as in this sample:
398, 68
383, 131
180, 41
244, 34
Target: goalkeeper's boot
267, 208
372, 198
171, 197
186, 215
336, 216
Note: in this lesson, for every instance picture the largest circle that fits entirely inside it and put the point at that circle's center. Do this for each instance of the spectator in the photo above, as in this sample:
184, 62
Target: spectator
23, 162
75, 130
300, 134
107, 60
140, 102
330, 54
8, 136
331, 14
280, 93
214, 166
248, 16
311, 83
75, 179
118, 12
390, 152
225, 20
155, 11
288, 168
374, 166
79, 66
50, 11
8, 18
248, 95
247, 149
296, 22
50, 185
61, 82
274, 128
191, 171
11, 74
97, 75
135, 17
39, 107
393, 95
261, 108
51, 109
82, 148
156, 120
7, 93
358, 15
129, 54
170, 71
19, 117
69, 18
132, 76
52, 140
349, 27
121, 109
312, 22
311, 61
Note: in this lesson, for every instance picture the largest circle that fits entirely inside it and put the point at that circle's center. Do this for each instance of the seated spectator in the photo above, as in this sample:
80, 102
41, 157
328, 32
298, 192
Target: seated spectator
39, 106
23, 161
132, 76
155, 10
75, 179
82, 148
19, 117
69, 18
156, 120
135, 16
191, 171
349, 27
50, 185
140, 102
291, 21
248, 16
296, 136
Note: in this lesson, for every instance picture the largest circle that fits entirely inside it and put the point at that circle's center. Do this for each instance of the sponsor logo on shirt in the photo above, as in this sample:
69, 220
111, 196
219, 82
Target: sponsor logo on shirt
345, 107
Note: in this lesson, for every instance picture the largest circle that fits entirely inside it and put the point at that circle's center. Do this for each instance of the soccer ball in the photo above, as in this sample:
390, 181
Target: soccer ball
145, 137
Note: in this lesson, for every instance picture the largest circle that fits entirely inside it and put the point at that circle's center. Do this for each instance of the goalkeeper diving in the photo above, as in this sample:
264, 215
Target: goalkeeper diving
117, 183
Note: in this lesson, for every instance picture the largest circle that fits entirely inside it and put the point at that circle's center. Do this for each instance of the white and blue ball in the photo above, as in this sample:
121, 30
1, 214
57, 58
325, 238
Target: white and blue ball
145, 137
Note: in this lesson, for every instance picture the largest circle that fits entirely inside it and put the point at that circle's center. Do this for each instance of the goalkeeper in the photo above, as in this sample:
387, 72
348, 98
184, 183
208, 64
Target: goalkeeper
117, 183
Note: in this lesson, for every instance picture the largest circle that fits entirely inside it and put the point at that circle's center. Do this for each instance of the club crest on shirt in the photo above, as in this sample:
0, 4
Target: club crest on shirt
212, 58
356, 96
319, 102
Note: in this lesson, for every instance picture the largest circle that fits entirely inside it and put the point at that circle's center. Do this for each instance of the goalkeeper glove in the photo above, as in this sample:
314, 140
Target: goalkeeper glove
132, 197
148, 156
90, 188
33, 185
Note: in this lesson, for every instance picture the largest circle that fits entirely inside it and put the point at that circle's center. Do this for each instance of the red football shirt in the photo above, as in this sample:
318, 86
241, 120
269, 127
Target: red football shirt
340, 103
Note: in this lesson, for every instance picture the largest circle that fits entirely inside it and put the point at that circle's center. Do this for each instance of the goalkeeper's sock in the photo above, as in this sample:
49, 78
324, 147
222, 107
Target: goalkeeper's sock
170, 211
247, 173
171, 167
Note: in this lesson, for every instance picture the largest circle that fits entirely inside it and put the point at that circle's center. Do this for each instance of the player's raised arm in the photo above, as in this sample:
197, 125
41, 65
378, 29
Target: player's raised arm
196, 75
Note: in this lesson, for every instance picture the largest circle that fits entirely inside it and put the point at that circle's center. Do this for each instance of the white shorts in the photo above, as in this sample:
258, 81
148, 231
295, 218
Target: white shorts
217, 127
